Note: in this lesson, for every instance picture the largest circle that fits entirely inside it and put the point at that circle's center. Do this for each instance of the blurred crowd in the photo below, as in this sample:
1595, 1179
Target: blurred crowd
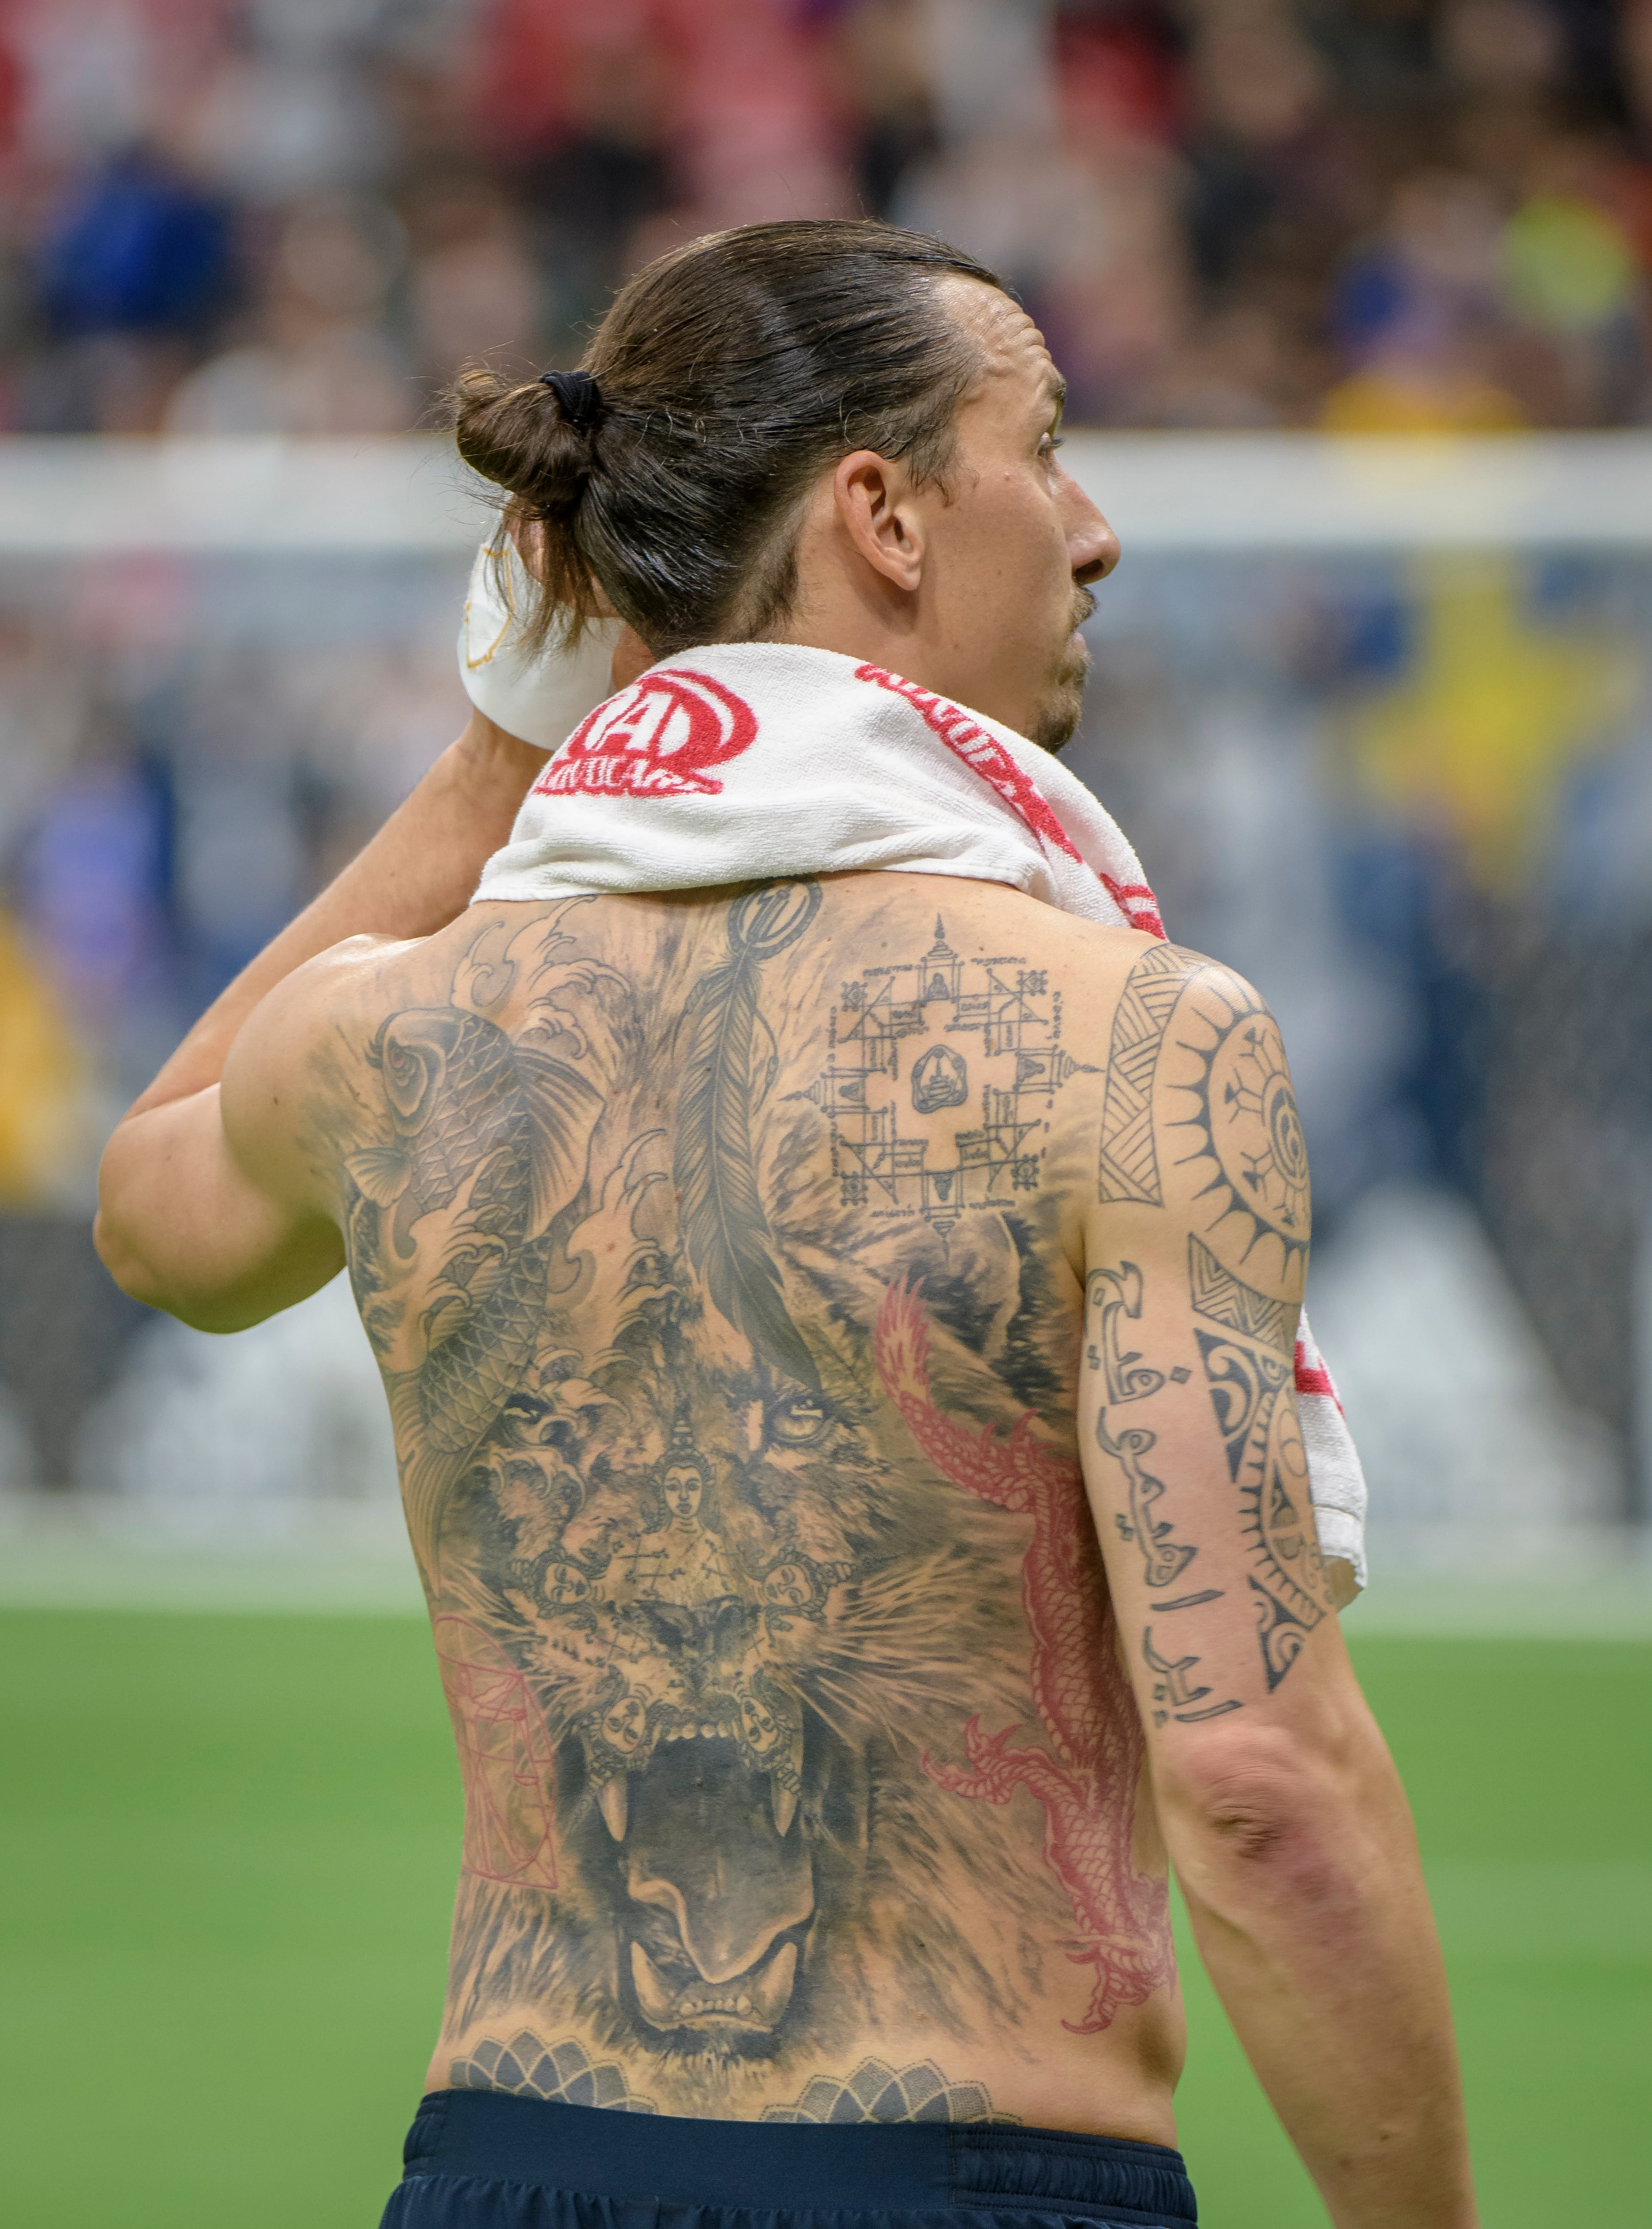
189, 749
301, 215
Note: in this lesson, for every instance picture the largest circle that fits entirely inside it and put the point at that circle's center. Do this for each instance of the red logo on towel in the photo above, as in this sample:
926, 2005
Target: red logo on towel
1137, 904
965, 736
1312, 1376
655, 739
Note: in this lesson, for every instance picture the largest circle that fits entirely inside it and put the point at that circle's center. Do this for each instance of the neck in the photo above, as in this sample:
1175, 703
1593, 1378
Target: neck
898, 650
865, 617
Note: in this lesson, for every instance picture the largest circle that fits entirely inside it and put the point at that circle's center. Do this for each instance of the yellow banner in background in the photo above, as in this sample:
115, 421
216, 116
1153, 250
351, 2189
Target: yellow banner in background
1495, 708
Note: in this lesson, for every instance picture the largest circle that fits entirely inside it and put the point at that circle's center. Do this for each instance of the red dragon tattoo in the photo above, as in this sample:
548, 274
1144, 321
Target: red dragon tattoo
1086, 1771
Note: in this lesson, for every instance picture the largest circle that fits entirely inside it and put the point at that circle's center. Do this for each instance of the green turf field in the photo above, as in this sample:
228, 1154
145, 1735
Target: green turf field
228, 1849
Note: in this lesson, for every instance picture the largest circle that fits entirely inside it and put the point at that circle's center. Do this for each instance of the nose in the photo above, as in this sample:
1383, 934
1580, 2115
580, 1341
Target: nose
1092, 546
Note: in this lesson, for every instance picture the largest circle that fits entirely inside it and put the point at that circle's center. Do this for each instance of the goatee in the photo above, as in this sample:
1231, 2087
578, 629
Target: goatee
1063, 709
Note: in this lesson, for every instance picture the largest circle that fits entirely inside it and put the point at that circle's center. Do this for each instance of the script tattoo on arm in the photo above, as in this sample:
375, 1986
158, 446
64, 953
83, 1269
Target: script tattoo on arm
1127, 1378
1163, 1559
1118, 1293
1172, 1687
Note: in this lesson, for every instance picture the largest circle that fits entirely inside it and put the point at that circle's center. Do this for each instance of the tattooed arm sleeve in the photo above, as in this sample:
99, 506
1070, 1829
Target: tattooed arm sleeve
1283, 1816
1196, 1255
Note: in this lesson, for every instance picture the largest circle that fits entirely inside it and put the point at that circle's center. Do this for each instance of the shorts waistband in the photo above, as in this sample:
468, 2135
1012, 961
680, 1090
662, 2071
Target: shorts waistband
881, 2166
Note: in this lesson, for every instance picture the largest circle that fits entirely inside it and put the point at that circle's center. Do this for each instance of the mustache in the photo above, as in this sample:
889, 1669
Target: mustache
1083, 606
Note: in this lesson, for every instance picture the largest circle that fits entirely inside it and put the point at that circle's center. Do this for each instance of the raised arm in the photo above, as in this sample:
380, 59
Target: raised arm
224, 1231
1285, 1818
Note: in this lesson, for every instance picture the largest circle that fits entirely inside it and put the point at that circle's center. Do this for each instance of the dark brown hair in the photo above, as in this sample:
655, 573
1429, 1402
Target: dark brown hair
730, 373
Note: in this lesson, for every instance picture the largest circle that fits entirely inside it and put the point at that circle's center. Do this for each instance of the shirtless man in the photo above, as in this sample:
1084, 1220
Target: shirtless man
850, 1597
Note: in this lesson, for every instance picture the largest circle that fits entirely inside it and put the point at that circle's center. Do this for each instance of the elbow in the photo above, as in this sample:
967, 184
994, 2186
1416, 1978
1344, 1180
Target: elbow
141, 1279
119, 1226
122, 1259
1265, 1822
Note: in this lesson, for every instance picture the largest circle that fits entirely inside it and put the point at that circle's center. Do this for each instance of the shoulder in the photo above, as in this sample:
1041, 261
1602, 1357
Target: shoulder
1192, 1109
336, 992
1123, 987
1185, 1099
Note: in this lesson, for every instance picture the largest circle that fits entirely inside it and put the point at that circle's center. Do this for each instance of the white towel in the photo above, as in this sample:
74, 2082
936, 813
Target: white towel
742, 762
539, 700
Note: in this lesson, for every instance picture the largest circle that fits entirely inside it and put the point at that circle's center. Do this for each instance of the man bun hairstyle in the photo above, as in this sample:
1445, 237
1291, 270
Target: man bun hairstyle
671, 467
524, 438
579, 395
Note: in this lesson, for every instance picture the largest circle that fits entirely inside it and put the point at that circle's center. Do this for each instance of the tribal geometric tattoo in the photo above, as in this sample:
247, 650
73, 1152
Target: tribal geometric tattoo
1130, 1151
1246, 1342
1000, 1000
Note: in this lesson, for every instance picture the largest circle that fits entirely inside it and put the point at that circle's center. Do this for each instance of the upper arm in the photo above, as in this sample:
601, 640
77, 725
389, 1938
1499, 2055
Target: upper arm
221, 1207
1196, 1252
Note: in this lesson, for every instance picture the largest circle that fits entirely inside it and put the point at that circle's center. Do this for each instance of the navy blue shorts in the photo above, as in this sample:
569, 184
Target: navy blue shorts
480, 2159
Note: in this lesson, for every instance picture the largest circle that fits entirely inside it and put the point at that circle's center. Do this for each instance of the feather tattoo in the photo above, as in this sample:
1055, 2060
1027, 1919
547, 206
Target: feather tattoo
724, 1040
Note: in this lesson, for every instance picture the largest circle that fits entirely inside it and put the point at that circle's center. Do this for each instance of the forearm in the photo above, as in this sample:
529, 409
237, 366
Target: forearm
1308, 1904
416, 874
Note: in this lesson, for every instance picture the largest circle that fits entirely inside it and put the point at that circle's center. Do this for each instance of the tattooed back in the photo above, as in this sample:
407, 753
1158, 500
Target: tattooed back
726, 1257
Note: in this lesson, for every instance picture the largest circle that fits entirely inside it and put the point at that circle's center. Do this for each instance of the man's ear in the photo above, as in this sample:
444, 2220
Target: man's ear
875, 507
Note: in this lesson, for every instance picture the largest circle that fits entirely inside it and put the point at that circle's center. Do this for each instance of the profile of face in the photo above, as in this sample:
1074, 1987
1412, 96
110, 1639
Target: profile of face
1015, 545
681, 1488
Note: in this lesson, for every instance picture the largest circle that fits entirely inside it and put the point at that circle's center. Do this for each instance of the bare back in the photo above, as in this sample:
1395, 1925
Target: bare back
725, 1258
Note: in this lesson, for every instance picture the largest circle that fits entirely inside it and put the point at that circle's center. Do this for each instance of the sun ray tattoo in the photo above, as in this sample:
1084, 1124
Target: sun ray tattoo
1243, 1138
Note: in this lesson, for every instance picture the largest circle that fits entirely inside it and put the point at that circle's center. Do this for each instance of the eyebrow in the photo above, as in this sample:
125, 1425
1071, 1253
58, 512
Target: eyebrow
1055, 388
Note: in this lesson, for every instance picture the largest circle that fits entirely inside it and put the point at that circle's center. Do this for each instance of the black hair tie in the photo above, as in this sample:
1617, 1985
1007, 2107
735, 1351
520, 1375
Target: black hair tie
579, 396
